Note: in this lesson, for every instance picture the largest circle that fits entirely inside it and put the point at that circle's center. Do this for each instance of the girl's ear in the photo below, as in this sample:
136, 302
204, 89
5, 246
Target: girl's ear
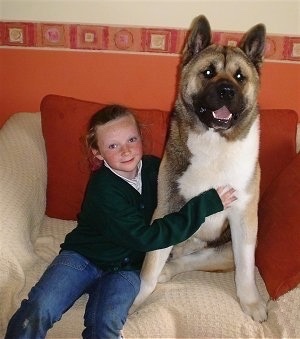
96, 154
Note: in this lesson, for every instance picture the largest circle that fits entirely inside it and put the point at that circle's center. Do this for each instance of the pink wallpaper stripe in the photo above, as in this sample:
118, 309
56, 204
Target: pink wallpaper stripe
127, 39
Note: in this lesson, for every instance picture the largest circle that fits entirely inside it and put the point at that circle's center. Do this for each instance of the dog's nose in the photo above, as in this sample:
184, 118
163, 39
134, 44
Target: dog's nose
226, 92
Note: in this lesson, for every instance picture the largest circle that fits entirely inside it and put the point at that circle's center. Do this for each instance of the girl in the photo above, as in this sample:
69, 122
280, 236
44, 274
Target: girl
103, 255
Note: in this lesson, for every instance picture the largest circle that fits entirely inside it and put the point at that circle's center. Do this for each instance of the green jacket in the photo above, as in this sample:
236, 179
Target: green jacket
113, 229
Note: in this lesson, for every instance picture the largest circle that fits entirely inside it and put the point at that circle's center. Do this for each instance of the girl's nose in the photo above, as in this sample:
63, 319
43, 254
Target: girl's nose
125, 149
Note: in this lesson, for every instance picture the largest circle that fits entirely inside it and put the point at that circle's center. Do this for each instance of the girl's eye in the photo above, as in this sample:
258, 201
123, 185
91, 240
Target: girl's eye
112, 146
133, 139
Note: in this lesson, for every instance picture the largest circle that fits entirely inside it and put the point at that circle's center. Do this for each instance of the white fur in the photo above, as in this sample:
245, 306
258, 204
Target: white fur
211, 154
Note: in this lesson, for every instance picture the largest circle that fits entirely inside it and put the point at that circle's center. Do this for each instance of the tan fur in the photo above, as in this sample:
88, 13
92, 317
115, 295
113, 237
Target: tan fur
205, 150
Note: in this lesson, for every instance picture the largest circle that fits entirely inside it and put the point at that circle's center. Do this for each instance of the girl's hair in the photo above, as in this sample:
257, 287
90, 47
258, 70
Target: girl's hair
101, 117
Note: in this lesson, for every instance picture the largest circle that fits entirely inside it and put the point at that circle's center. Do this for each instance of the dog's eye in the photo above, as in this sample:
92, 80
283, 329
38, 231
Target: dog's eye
209, 72
239, 76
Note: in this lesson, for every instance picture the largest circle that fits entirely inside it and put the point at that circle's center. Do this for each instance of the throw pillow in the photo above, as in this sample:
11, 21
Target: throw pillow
277, 143
64, 125
278, 245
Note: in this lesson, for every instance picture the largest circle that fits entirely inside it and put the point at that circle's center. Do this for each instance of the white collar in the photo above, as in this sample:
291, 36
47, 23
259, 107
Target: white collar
135, 182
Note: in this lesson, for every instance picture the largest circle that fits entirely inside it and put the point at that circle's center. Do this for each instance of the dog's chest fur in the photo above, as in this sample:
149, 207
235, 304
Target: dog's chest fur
215, 161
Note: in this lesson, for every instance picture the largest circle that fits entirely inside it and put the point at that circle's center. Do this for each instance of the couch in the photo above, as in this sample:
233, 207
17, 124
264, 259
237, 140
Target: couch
43, 171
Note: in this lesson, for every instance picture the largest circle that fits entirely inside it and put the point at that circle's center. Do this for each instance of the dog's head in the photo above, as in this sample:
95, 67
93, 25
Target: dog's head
220, 83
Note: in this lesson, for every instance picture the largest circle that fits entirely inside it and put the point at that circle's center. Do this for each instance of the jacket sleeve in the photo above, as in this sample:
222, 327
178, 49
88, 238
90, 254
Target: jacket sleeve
123, 223
179, 226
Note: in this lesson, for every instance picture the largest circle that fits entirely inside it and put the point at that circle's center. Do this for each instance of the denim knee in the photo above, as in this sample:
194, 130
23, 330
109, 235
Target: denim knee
32, 320
109, 303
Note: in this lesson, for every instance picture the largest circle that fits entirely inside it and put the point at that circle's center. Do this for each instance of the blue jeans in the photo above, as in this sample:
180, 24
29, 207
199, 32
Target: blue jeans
68, 277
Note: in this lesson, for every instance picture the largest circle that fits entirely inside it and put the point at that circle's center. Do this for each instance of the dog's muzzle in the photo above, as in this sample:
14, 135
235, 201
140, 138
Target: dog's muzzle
219, 105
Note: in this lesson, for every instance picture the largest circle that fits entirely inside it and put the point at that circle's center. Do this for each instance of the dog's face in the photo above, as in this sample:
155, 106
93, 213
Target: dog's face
219, 84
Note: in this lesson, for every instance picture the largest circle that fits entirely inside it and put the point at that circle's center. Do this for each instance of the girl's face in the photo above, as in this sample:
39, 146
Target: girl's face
120, 145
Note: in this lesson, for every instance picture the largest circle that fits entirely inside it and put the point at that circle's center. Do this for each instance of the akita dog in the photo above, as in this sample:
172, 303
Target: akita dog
213, 140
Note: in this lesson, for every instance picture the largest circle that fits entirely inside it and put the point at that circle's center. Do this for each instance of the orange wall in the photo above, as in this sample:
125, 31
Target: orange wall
136, 80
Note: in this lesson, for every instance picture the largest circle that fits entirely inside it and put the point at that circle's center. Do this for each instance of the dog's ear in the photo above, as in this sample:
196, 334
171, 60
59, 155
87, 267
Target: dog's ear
198, 38
253, 44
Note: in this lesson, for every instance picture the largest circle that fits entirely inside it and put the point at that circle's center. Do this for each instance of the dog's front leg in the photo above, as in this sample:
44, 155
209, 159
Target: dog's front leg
243, 233
152, 266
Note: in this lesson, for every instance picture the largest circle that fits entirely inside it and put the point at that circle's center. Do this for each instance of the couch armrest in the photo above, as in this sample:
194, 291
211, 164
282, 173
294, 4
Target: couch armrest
22, 200
23, 175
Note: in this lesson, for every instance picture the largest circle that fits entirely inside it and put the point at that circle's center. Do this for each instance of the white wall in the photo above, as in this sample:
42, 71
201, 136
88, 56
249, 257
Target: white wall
280, 16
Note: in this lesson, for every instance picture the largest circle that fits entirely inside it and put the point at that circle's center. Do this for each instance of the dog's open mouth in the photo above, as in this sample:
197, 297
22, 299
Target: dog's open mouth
219, 119
222, 114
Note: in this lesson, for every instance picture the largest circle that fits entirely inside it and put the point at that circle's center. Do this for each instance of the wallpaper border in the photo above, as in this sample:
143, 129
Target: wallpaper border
127, 39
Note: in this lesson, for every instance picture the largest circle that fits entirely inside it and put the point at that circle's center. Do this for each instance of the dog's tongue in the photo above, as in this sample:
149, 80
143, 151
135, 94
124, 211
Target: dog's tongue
222, 113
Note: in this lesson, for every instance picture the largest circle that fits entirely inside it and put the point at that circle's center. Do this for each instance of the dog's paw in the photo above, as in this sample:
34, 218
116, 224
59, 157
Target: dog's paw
146, 289
133, 308
257, 311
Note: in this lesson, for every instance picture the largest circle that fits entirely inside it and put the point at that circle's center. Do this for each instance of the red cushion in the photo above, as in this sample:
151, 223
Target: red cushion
277, 143
278, 244
64, 125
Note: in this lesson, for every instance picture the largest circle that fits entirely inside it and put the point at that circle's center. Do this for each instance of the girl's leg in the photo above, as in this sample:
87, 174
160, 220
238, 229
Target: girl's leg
109, 302
64, 281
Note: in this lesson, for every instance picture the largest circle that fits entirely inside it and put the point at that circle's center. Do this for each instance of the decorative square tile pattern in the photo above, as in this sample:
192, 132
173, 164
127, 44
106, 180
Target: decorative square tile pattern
53, 35
160, 41
128, 39
18, 34
295, 50
124, 39
292, 48
88, 37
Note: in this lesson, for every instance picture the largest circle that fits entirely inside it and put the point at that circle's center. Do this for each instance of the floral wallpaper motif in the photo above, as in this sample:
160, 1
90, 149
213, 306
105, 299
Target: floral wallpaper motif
127, 39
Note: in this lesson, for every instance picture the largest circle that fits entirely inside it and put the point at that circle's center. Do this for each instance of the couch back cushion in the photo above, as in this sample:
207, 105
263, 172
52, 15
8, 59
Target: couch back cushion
278, 239
277, 143
64, 126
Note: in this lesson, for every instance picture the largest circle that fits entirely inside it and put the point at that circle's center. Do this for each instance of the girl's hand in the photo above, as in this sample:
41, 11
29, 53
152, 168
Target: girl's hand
227, 195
